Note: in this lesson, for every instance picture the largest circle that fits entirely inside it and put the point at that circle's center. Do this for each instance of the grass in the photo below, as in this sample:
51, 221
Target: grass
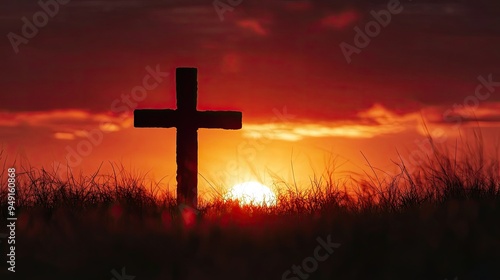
439, 221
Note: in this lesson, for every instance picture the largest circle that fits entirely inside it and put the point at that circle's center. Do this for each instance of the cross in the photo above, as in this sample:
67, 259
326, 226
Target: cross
187, 119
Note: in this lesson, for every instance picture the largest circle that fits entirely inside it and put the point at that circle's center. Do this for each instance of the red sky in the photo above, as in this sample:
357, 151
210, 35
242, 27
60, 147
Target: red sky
269, 59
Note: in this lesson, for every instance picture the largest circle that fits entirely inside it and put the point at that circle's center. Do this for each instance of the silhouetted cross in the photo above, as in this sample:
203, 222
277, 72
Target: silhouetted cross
187, 120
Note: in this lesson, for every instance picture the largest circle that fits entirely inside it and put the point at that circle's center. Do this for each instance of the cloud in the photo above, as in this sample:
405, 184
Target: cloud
340, 20
378, 114
487, 114
67, 124
295, 132
253, 25
299, 6
64, 136
376, 121
445, 9
177, 32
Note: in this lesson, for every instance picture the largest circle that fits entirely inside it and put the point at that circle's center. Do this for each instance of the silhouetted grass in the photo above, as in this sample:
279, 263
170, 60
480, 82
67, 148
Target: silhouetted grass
440, 220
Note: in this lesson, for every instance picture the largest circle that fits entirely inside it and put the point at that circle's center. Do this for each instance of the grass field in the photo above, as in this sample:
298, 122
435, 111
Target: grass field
441, 221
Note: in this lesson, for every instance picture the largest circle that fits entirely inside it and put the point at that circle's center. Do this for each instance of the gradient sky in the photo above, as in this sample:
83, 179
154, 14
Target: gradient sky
279, 62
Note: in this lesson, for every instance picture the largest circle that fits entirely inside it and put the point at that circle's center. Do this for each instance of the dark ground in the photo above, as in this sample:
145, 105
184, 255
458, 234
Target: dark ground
457, 238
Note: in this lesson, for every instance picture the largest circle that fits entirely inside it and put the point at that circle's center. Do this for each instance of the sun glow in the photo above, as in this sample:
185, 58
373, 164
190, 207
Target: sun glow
251, 193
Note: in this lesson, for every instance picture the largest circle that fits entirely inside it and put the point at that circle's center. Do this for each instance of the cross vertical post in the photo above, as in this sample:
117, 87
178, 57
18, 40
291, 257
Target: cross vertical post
187, 134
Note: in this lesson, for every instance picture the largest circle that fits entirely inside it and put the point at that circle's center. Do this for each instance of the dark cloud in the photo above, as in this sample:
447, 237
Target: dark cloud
263, 55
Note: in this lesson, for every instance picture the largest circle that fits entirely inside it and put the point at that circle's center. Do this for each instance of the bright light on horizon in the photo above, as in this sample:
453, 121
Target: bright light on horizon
251, 193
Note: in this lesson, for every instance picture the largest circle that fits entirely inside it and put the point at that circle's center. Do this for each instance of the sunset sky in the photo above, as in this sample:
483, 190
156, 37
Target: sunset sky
279, 62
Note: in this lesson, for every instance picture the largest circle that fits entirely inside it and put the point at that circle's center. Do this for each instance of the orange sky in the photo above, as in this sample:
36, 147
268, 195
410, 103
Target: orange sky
278, 62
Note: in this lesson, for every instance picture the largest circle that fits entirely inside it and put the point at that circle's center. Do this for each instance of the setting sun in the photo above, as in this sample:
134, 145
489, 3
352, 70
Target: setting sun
251, 193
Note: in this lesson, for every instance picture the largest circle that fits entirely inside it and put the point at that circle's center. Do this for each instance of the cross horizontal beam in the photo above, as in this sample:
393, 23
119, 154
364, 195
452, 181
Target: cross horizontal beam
198, 119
